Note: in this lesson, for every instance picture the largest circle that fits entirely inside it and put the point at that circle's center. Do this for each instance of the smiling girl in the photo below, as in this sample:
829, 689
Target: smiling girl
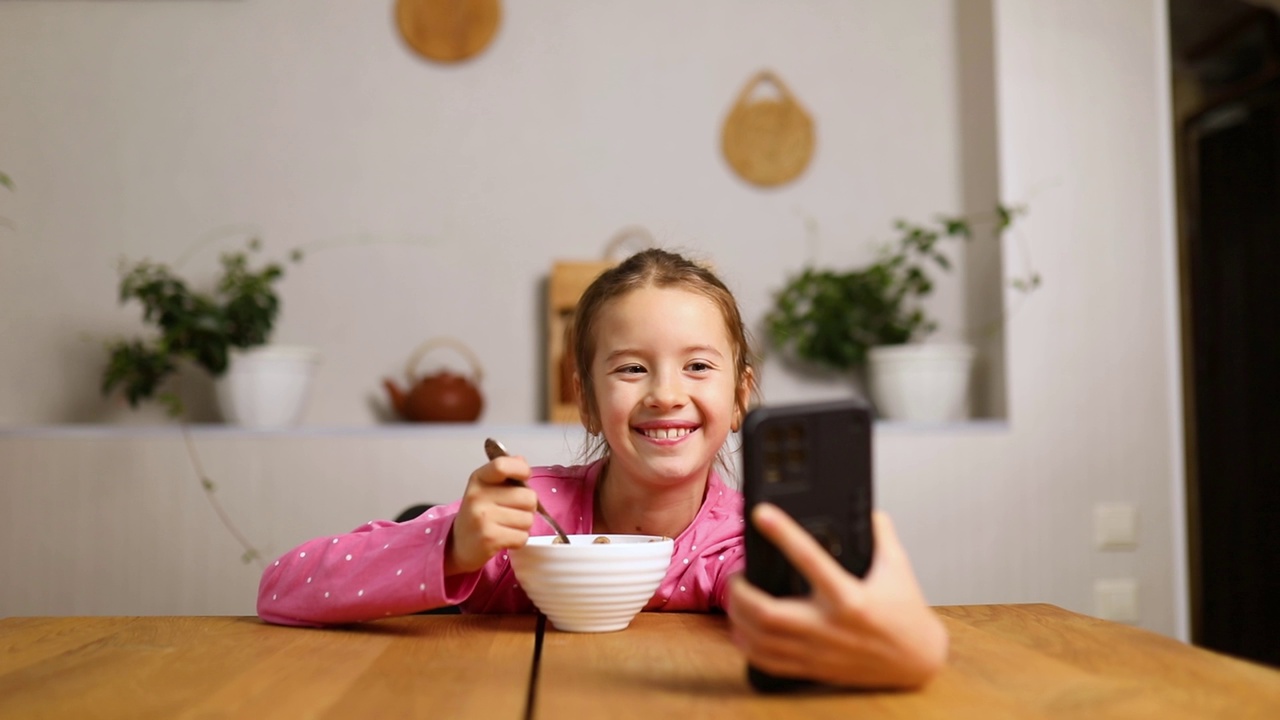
663, 376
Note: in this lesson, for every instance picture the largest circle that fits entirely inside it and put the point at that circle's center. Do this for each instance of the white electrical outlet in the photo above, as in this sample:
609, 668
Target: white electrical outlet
1115, 526
1116, 599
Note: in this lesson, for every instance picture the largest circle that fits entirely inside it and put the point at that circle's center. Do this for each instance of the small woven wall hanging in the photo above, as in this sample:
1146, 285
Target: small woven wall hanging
448, 30
768, 141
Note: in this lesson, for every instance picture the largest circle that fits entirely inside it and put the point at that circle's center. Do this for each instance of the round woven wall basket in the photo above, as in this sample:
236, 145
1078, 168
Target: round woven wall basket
768, 141
448, 30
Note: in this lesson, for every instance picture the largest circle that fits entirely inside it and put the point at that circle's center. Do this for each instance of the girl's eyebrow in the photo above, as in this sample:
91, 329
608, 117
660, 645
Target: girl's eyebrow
691, 350
620, 353
703, 349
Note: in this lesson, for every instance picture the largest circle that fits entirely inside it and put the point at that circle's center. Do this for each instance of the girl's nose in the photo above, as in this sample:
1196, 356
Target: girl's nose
665, 391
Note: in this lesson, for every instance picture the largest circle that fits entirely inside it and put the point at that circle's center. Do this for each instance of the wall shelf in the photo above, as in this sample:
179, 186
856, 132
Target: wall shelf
404, 431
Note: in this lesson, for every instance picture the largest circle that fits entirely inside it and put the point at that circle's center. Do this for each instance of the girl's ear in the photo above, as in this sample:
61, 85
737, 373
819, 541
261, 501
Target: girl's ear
584, 413
745, 389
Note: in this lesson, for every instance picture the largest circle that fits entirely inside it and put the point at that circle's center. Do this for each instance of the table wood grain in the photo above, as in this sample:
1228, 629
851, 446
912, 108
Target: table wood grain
1006, 661
198, 667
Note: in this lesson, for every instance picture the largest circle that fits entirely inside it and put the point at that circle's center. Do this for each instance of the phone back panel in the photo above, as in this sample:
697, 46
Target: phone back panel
814, 462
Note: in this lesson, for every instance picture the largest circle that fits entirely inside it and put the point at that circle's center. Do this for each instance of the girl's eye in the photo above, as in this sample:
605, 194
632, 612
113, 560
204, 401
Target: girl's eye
631, 369
699, 366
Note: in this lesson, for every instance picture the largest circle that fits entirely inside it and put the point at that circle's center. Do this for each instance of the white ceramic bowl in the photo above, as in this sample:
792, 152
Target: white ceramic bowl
592, 587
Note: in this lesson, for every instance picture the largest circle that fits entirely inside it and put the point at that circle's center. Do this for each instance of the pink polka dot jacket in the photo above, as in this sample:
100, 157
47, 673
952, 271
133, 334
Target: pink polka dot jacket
385, 568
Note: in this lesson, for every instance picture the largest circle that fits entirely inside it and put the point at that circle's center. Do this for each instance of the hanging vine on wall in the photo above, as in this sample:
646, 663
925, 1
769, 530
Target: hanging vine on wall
7, 182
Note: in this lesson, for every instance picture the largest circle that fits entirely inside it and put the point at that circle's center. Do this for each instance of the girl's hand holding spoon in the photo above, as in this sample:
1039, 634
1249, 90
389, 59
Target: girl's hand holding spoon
494, 515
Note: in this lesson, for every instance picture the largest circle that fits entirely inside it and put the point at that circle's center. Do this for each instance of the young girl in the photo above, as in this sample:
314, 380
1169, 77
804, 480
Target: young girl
663, 376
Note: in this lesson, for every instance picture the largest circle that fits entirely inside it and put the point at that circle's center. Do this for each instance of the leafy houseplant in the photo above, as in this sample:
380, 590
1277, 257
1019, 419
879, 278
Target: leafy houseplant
834, 318
202, 327
197, 326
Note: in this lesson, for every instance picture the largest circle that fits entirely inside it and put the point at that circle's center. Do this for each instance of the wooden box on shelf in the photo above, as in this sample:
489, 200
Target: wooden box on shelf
568, 280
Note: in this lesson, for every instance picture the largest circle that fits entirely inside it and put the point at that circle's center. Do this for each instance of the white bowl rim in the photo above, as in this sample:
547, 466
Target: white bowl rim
589, 539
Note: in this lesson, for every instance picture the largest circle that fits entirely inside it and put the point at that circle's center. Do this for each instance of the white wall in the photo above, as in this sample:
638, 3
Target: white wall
136, 127
435, 199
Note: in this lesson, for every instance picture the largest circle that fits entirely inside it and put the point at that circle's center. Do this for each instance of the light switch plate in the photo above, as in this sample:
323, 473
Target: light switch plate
1115, 526
1116, 599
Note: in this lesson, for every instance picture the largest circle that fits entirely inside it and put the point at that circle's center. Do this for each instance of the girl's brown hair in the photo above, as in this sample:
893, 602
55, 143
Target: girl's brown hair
650, 268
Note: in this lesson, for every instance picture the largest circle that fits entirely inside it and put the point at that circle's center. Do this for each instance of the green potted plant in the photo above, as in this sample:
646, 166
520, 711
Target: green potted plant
870, 318
226, 332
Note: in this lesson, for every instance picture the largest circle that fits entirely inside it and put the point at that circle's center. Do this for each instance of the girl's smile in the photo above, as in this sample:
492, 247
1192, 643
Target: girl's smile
663, 432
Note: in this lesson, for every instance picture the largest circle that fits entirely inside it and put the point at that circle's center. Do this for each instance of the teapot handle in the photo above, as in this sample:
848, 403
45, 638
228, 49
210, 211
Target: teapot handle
636, 234
411, 367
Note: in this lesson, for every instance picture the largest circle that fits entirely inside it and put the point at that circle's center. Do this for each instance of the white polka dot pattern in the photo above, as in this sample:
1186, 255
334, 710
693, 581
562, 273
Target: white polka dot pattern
362, 584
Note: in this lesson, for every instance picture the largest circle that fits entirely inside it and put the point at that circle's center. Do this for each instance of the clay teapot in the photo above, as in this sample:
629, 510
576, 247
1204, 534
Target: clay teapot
441, 397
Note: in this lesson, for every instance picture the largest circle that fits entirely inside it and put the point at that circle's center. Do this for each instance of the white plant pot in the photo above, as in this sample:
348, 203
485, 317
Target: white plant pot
922, 382
267, 386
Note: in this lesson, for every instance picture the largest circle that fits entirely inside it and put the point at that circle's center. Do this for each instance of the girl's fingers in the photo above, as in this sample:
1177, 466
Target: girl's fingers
887, 544
787, 666
512, 518
482, 494
759, 613
825, 574
747, 603
775, 654
773, 633
891, 564
503, 529
496, 471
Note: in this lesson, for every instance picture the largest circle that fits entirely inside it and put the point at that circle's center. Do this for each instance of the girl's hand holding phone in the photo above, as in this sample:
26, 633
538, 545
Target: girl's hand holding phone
493, 516
871, 632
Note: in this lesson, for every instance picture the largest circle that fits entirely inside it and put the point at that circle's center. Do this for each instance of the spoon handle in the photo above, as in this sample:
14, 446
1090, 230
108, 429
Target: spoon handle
494, 449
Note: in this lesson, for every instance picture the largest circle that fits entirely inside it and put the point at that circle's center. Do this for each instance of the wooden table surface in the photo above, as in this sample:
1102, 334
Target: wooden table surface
1015, 661
1007, 661
455, 666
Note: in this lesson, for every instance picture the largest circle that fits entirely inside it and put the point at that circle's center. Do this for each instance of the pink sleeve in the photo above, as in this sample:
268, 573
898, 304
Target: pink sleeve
736, 563
382, 568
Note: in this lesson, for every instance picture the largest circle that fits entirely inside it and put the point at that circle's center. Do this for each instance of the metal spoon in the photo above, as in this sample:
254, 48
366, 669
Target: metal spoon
495, 450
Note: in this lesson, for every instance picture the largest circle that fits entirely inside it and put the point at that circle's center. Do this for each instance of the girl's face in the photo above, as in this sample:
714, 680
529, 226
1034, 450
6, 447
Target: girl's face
664, 385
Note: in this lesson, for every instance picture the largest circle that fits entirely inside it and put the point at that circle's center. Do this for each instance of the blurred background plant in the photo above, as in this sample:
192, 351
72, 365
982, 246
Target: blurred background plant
195, 326
202, 327
832, 318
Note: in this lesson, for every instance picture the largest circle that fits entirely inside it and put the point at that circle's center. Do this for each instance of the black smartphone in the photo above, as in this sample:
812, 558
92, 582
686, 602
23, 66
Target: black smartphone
813, 461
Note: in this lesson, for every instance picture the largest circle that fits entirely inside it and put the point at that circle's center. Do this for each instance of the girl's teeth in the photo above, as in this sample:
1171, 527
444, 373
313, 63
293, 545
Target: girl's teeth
666, 433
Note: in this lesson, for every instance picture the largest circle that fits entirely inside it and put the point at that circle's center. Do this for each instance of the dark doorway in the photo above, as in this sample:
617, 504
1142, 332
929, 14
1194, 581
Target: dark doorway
1229, 199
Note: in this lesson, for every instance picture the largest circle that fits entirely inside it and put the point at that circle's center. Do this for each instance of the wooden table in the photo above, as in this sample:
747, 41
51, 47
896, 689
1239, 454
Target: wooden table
203, 667
1015, 661
1007, 661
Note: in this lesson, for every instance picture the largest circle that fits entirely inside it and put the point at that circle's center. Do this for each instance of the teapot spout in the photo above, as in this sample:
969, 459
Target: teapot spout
397, 396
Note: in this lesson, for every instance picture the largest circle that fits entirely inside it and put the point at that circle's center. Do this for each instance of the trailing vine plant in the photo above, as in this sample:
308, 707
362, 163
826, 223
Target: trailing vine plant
6, 182
201, 327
